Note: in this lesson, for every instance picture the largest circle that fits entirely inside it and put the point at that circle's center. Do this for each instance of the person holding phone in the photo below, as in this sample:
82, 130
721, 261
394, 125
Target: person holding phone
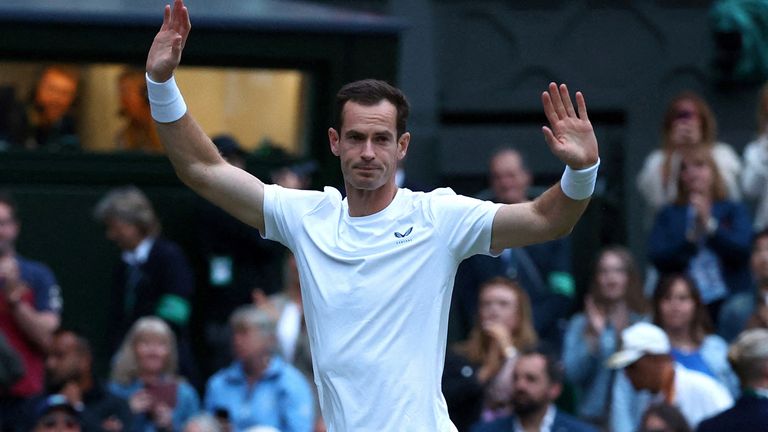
144, 374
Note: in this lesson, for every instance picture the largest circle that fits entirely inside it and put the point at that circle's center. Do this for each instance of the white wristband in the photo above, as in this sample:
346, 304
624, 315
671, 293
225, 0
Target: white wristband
165, 100
579, 184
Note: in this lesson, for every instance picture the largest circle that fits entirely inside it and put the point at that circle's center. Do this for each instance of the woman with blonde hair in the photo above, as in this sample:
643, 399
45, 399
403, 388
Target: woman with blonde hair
144, 374
504, 327
703, 233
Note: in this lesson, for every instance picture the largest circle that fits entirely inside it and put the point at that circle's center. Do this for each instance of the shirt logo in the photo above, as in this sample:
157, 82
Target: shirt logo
401, 235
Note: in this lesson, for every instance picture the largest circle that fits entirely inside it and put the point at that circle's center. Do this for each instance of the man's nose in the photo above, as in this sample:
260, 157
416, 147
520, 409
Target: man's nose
368, 152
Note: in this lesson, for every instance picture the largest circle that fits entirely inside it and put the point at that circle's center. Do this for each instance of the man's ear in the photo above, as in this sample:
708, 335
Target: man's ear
333, 140
402, 145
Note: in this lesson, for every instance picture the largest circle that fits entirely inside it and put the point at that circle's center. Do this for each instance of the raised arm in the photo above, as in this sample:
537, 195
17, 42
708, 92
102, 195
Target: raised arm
194, 157
554, 213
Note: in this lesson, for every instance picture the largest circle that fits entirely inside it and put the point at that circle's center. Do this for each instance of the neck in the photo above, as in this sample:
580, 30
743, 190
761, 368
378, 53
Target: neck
680, 337
532, 420
149, 377
666, 384
367, 202
254, 368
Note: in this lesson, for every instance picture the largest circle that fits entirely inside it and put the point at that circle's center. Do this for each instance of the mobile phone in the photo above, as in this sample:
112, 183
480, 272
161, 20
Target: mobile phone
163, 392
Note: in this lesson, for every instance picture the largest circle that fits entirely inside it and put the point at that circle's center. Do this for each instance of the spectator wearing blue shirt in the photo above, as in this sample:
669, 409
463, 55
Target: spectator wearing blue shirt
145, 375
259, 388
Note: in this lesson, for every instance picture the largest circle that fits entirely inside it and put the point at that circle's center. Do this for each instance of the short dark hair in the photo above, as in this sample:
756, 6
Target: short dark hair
370, 92
82, 345
553, 366
670, 414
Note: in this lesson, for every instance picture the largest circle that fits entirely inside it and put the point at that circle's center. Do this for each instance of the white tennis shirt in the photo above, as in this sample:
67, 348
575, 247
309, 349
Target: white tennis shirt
376, 292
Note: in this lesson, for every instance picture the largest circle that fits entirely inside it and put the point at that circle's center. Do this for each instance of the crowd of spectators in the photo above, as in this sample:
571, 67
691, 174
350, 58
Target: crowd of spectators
527, 348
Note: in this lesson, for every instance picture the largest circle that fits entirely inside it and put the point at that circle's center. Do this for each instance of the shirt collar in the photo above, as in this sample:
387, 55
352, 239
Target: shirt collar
546, 422
139, 255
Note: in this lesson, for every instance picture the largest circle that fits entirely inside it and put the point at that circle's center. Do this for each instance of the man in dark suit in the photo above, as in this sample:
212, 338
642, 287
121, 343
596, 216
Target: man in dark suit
537, 382
749, 358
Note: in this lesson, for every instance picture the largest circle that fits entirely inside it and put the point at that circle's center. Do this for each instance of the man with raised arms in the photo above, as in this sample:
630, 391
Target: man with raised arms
376, 267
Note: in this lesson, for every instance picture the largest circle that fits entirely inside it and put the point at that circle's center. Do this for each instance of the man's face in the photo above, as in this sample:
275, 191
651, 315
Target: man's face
532, 389
64, 362
55, 94
509, 178
249, 343
368, 145
125, 235
643, 374
9, 229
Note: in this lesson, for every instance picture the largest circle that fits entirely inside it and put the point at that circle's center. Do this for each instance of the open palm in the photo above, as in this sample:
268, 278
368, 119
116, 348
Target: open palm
165, 53
570, 135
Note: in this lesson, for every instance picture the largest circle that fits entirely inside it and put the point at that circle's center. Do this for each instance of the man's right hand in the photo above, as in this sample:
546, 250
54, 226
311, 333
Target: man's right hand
165, 53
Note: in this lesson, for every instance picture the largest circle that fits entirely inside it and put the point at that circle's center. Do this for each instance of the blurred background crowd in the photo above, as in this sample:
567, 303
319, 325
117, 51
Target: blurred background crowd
651, 316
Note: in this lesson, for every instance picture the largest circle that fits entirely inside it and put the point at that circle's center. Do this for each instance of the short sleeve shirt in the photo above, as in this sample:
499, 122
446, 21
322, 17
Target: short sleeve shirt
376, 292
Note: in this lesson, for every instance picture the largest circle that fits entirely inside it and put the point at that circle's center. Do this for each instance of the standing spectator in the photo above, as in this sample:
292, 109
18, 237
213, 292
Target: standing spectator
647, 363
678, 310
259, 388
537, 383
153, 277
50, 123
703, 233
30, 304
239, 261
754, 178
688, 123
543, 270
503, 328
614, 301
69, 368
749, 308
749, 358
139, 132
144, 374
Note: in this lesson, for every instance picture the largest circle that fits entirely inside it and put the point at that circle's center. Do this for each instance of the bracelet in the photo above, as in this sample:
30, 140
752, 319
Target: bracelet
579, 184
165, 100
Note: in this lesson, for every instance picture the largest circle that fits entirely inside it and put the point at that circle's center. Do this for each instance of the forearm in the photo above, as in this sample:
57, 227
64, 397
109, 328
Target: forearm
558, 212
36, 326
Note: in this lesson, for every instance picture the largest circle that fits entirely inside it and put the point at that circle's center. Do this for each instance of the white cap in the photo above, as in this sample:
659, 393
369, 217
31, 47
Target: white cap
636, 341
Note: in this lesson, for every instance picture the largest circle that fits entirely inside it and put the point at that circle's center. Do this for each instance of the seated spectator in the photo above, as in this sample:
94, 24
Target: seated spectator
543, 270
688, 123
55, 413
144, 374
749, 358
537, 382
678, 310
703, 233
202, 423
153, 276
50, 123
754, 177
259, 388
30, 306
662, 417
613, 302
69, 372
139, 132
503, 328
749, 308
647, 362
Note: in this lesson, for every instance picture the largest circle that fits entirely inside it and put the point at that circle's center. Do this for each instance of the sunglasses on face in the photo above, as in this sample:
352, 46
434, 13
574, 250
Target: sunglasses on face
684, 115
